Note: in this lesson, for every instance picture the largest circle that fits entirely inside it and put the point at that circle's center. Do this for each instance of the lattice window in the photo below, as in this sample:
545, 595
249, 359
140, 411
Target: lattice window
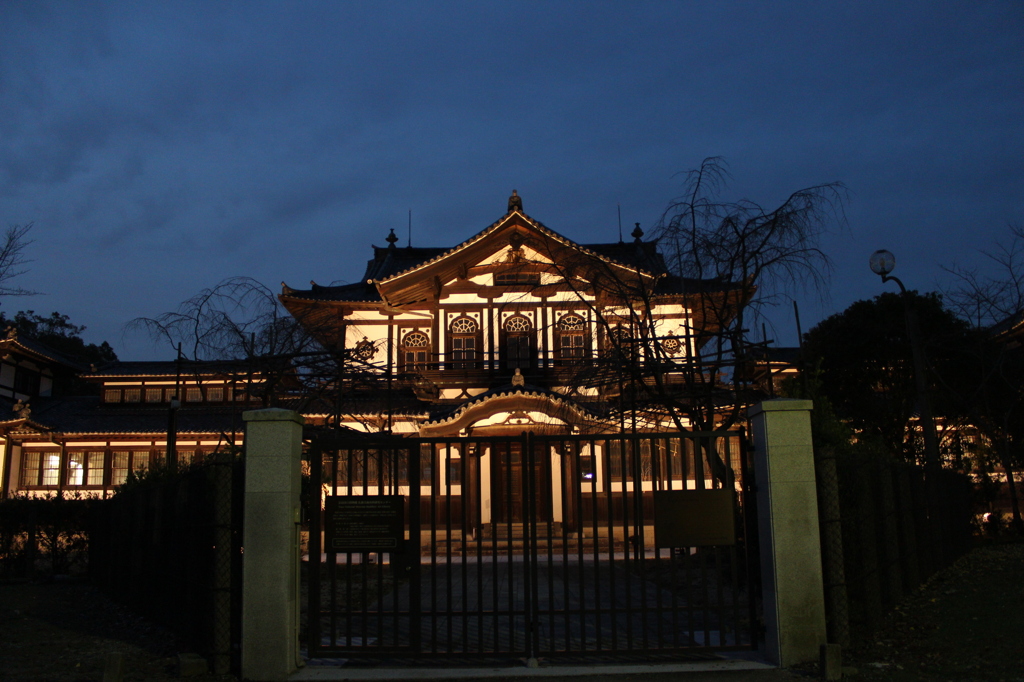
518, 342
464, 325
415, 351
518, 323
464, 343
572, 322
572, 337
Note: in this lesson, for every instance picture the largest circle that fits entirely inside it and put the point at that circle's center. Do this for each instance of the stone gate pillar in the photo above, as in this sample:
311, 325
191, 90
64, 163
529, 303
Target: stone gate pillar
270, 537
787, 516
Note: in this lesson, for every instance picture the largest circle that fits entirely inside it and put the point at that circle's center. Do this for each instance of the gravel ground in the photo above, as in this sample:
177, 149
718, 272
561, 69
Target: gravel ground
965, 624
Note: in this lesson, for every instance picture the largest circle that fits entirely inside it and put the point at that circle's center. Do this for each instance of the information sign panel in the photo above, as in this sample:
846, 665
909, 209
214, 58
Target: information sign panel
364, 523
694, 518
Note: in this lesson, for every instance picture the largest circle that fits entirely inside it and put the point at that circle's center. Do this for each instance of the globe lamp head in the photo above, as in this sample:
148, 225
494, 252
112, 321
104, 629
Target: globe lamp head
882, 262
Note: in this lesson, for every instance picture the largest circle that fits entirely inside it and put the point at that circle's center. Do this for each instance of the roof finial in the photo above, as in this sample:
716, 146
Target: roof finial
637, 233
515, 203
392, 239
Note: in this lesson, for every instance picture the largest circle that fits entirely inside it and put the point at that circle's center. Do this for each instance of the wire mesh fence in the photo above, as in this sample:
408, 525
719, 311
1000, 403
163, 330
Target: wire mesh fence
885, 527
170, 548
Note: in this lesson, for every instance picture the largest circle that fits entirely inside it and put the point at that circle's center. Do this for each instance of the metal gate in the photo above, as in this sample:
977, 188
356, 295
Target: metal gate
531, 546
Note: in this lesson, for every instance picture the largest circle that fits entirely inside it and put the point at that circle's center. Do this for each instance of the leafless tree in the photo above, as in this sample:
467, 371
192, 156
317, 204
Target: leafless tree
281, 360
13, 260
730, 260
992, 300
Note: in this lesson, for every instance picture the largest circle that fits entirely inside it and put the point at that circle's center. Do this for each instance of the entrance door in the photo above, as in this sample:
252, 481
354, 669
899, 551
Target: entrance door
512, 485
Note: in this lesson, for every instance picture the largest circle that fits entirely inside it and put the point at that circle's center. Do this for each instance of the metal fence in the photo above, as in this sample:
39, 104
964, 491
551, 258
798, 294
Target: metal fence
531, 546
170, 548
880, 540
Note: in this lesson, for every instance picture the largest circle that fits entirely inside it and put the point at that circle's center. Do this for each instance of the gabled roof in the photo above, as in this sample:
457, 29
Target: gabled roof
402, 275
421, 281
37, 350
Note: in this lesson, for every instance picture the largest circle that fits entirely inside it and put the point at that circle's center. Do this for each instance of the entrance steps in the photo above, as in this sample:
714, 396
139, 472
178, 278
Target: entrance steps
551, 538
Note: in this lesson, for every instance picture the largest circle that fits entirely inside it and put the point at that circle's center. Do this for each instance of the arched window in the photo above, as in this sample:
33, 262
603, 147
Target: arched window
518, 342
464, 344
572, 339
415, 352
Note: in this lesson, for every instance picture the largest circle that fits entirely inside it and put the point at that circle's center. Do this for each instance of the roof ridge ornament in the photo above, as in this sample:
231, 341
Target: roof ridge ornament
22, 409
392, 238
637, 233
515, 202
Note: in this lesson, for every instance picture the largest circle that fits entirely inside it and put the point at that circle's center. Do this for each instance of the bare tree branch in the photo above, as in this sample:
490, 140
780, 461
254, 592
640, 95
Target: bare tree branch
13, 260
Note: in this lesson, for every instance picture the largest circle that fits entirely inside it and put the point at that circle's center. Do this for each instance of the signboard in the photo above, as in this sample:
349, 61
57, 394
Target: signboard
364, 523
694, 518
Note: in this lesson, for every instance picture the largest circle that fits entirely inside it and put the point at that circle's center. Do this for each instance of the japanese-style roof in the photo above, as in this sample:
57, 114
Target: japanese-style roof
511, 220
37, 349
534, 396
168, 368
87, 415
393, 263
402, 402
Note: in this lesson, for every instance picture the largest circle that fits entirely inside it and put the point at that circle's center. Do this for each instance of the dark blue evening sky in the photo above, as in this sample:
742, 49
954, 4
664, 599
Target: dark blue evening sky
161, 146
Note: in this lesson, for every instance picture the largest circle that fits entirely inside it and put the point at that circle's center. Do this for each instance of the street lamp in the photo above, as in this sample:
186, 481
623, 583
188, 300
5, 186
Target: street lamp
882, 262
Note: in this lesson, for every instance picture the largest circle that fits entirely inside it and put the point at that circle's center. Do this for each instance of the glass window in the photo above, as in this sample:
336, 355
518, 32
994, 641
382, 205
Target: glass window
76, 468
51, 468
572, 333
119, 467
514, 278
426, 464
94, 462
455, 470
30, 467
464, 343
615, 460
518, 342
415, 351
140, 461
587, 468
26, 381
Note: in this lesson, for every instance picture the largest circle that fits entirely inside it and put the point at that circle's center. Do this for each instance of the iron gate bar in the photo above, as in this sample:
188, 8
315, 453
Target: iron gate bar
547, 515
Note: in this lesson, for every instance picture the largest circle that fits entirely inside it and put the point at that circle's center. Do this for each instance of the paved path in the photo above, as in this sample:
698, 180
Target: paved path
589, 607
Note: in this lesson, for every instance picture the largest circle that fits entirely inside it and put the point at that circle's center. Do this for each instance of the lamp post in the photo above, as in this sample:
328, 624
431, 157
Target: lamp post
882, 262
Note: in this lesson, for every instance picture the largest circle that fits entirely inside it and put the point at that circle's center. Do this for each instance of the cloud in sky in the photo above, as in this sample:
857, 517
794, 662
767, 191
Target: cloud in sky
159, 147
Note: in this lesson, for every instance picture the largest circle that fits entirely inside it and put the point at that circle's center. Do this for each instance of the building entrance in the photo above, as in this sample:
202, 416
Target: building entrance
514, 477
507, 548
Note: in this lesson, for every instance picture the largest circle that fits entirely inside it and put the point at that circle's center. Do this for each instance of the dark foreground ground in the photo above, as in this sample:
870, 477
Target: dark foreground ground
966, 624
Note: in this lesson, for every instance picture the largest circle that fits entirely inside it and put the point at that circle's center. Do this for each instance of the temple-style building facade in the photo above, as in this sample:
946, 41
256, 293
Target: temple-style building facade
515, 329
